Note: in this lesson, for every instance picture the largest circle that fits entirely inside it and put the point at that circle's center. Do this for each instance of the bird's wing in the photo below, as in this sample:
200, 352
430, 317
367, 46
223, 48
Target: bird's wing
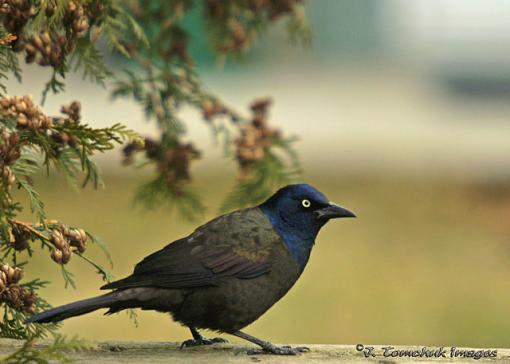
213, 252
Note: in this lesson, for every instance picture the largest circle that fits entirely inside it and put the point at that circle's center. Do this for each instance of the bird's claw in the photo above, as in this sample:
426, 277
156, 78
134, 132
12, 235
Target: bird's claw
203, 341
280, 350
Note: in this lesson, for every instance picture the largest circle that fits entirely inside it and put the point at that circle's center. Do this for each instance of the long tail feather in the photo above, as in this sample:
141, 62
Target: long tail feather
75, 308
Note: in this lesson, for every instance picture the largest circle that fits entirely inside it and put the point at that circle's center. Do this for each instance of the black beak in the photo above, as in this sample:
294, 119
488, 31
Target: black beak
333, 211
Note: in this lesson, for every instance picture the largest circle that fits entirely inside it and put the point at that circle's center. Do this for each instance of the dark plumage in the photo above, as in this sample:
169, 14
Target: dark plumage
227, 273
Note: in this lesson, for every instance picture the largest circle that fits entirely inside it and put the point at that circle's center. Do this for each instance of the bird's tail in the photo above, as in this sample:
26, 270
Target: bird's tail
76, 308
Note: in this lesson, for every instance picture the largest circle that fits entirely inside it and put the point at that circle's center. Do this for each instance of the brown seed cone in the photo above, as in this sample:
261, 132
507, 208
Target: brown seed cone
8, 178
80, 246
16, 275
211, 108
83, 235
77, 239
174, 164
238, 33
71, 6
20, 238
76, 18
7, 270
45, 48
74, 234
13, 296
207, 109
66, 255
3, 282
28, 115
255, 138
12, 238
16, 14
10, 275
9, 152
19, 298
37, 43
56, 255
57, 238
72, 110
46, 38
261, 106
20, 245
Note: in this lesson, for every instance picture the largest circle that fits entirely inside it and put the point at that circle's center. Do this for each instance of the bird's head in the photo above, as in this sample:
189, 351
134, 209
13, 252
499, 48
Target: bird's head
302, 209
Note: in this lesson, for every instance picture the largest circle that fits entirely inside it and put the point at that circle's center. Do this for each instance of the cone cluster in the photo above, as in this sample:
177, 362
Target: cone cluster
173, 163
76, 18
11, 293
20, 238
27, 114
8, 178
67, 241
17, 13
48, 49
256, 137
7, 38
72, 112
45, 49
211, 108
9, 148
9, 154
174, 166
240, 35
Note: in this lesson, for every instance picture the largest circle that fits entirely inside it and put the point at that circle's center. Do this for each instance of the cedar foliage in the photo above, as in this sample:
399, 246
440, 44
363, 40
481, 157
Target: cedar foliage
151, 40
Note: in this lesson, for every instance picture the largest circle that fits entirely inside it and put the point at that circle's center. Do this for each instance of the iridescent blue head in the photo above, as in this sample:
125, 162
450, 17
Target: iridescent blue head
297, 212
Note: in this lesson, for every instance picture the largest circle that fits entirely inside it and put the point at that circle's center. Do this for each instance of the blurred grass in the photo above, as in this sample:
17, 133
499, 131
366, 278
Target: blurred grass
427, 262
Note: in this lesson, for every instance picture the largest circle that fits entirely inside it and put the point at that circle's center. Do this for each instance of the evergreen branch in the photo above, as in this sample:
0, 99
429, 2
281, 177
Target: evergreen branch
70, 165
36, 204
157, 193
8, 62
87, 142
13, 324
29, 227
68, 277
103, 272
102, 246
54, 84
118, 25
137, 30
27, 164
265, 176
42, 21
133, 316
56, 351
298, 29
88, 58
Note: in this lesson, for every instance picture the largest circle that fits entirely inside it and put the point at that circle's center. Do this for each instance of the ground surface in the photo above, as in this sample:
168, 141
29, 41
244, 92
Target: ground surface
156, 352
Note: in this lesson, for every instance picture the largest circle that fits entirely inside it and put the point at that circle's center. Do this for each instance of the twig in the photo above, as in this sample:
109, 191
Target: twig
29, 228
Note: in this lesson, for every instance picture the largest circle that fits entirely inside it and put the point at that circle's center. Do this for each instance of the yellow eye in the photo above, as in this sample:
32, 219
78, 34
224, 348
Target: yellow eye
306, 203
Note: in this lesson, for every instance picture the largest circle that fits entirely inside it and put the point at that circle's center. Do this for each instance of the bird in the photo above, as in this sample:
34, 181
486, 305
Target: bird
226, 273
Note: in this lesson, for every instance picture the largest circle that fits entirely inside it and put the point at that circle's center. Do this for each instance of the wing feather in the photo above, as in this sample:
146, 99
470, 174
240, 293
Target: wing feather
199, 260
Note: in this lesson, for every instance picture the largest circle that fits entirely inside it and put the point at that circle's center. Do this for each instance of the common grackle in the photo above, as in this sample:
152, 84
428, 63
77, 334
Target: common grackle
227, 273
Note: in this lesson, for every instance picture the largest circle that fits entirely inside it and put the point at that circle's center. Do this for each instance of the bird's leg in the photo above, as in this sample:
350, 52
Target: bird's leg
268, 347
200, 340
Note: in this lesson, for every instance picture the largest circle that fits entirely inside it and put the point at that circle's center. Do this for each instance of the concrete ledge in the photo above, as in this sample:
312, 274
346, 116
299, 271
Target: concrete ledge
156, 352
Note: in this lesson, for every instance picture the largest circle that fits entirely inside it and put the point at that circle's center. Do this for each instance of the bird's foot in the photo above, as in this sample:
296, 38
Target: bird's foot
202, 341
280, 350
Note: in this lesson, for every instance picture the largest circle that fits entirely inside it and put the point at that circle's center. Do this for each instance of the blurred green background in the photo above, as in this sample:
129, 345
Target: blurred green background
403, 113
